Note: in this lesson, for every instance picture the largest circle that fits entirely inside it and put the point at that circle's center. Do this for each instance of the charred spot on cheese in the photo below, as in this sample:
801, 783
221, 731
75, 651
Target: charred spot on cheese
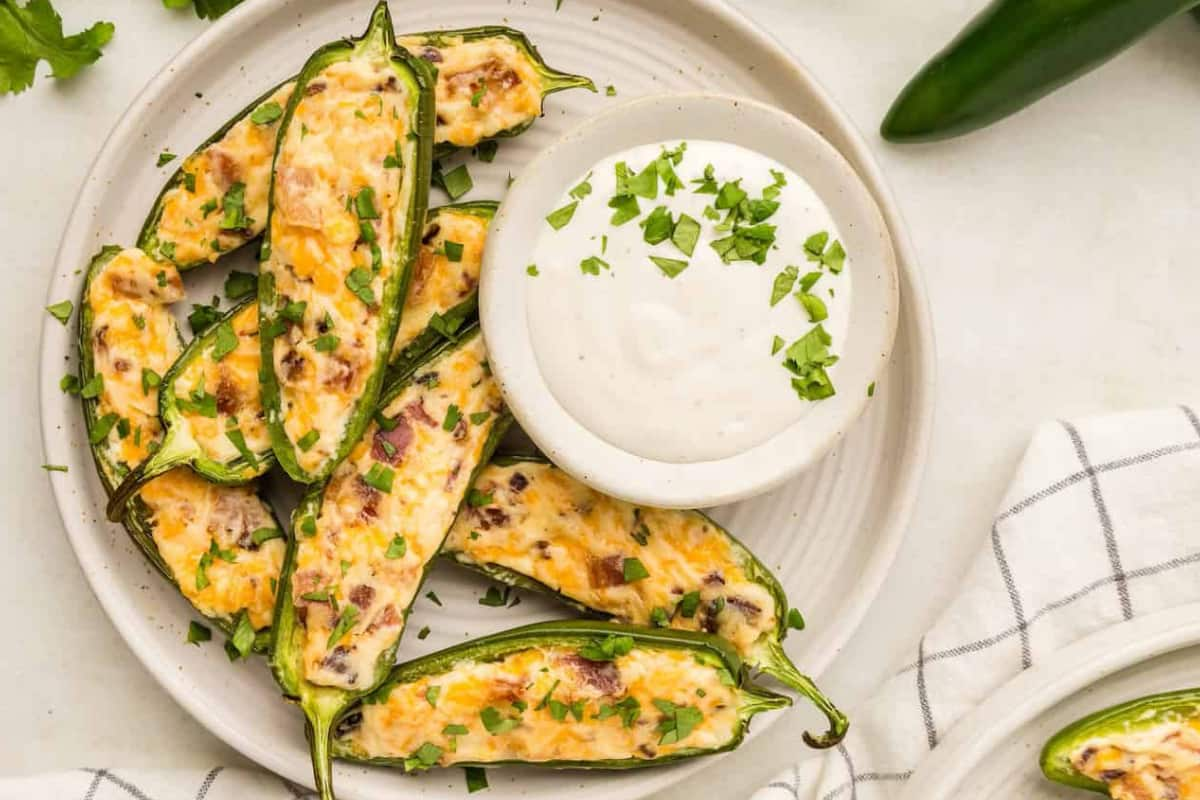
1161, 762
404, 479
544, 524
350, 184
217, 200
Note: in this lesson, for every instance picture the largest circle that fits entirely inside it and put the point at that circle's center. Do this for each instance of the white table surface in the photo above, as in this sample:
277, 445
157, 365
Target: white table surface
1061, 250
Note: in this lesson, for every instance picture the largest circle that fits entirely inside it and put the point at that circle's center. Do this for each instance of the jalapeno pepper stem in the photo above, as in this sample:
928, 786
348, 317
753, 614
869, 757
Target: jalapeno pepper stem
320, 710
774, 662
175, 451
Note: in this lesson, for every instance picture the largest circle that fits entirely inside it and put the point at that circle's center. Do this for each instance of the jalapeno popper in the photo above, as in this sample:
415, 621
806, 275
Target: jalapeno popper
364, 541
491, 82
348, 198
540, 528
1144, 749
221, 546
558, 694
210, 406
442, 295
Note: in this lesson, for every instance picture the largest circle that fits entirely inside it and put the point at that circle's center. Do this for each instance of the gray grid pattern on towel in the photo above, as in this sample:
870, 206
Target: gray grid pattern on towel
1103, 518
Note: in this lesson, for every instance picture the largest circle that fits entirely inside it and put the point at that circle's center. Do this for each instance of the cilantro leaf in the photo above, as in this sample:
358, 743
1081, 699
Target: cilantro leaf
205, 9
34, 33
784, 282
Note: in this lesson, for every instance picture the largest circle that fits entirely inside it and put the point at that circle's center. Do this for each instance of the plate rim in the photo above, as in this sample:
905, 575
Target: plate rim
915, 322
1031, 693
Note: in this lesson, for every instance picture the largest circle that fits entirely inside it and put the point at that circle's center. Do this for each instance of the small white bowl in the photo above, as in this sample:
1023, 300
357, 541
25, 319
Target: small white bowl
874, 304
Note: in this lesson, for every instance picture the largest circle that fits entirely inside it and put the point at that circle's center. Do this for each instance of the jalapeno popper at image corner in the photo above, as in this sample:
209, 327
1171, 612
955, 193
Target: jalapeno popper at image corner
348, 195
364, 541
1143, 749
578, 694
531, 525
491, 83
220, 546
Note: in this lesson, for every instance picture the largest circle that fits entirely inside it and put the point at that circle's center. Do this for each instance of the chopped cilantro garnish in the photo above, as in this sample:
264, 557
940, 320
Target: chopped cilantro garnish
235, 436
494, 597
479, 417
478, 499
102, 428
55, 468
454, 251
423, 758
610, 90
628, 709
364, 204
198, 402
359, 283
592, 264
659, 617
561, 216
325, 343
686, 234
432, 693
815, 306
210, 205
454, 729
198, 633
496, 723
807, 358
485, 151
609, 648
266, 113
669, 266
225, 341
777, 344
808, 280
707, 184
783, 284
93, 387
308, 526
688, 604
457, 182
202, 318
69, 383
61, 311
657, 226
240, 284
380, 477
261, 535
233, 204
164, 158
453, 415
532, 270
871, 389
625, 208
478, 94
678, 721
344, 624
583, 188
433, 598
242, 640
795, 619
729, 195
306, 441
634, 570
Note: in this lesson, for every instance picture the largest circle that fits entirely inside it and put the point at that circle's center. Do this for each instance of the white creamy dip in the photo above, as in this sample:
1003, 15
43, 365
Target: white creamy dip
680, 369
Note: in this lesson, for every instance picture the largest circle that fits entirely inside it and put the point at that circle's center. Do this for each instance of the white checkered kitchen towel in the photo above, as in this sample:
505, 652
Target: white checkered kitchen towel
1097, 528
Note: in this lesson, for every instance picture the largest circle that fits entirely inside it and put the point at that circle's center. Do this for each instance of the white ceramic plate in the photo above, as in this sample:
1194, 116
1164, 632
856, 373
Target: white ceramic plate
504, 289
830, 535
993, 752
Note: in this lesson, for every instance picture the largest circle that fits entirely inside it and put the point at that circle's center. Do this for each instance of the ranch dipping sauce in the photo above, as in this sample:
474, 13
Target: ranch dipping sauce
687, 300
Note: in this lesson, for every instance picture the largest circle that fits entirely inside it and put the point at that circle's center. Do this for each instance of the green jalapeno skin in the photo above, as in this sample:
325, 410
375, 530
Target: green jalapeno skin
135, 516
378, 40
451, 320
708, 650
1012, 54
766, 654
154, 243
1131, 716
178, 447
322, 703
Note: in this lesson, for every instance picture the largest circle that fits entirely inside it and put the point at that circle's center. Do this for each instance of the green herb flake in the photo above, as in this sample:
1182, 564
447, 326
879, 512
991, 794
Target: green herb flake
686, 234
559, 218
344, 624
364, 204
495, 722
609, 648
688, 604
478, 499
815, 306
806, 358
453, 415
325, 343
808, 280
457, 182
225, 341
486, 150
239, 442
306, 441
707, 184
678, 722
783, 284
454, 729
55, 468
380, 477
478, 95
432, 693
198, 402
202, 318
871, 389
659, 617
61, 311
308, 526
777, 344
397, 547
454, 251
102, 428
164, 158
262, 535
266, 113
494, 598
198, 633
210, 205
634, 570
795, 620
433, 598
139, 322
669, 266
233, 206
657, 226
359, 284
610, 91
242, 639
423, 758
69, 383
240, 284
476, 776
592, 265
479, 417
93, 387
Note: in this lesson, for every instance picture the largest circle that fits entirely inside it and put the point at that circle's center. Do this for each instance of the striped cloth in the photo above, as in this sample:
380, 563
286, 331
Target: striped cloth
1098, 527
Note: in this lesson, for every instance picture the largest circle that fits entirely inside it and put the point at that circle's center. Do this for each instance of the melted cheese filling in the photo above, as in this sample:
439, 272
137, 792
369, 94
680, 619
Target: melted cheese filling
186, 516
233, 382
1161, 763
407, 720
544, 524
132, 331
340, 144
193, 226
357, 575
439, 284
484, 87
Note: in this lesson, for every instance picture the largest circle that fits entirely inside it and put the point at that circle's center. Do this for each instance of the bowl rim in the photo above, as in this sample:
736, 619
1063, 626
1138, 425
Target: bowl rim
864, 353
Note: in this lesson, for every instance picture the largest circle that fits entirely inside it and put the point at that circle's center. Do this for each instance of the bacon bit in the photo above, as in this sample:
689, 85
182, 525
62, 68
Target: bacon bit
431, 233
362, 595
303, 582
293, 366
749, 610
507, 689
517, 482
603, 676
238, 514
452, 477
714, 579
490, 517
710, 623
348, 724
422, 270
460, 430
647, 750
295, 198
225, 169
335, 661
387, 618
387, 86
416, 410
100, 338
340, 374
398, 439
607, 571
140, 286
544, 546
491, 73
369, 496
431, 54
313, 88
228, 397
120, 365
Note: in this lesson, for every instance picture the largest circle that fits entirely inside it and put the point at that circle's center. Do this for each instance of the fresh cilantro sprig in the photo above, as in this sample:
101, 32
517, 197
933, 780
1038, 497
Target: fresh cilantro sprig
34, 33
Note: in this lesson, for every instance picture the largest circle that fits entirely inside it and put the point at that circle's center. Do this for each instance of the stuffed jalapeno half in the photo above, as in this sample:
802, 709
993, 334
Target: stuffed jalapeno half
540, 528
209, 405
348, 196
217, 200
1143, 749
221, 546
442, 295
589, 695
364, 541
491, 83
